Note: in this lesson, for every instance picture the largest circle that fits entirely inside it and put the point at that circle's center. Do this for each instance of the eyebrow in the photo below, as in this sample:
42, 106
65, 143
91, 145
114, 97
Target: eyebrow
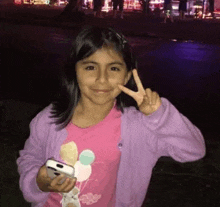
112, 63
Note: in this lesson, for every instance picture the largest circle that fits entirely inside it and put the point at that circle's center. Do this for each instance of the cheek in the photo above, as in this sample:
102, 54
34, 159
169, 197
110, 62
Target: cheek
121, 81
118, 80
115, 84
84, 80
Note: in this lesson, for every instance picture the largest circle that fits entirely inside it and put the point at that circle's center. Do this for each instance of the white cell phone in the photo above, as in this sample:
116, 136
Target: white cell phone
55, 168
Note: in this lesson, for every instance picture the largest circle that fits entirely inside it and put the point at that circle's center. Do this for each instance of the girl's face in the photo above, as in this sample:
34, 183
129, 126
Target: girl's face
98, 76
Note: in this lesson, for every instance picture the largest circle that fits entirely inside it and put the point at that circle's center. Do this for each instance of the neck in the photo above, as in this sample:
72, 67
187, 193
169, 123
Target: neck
94, 110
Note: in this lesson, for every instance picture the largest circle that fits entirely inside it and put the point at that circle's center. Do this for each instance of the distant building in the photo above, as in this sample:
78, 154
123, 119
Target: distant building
130, 4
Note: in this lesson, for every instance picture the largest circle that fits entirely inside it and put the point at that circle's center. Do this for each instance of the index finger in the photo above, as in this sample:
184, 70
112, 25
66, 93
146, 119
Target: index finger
138, 81
127, 91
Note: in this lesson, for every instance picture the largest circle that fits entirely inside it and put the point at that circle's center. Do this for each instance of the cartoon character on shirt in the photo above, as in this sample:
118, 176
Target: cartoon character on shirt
71, 199
83, 170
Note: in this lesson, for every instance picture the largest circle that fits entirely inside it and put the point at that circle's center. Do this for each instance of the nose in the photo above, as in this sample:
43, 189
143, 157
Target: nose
102, 76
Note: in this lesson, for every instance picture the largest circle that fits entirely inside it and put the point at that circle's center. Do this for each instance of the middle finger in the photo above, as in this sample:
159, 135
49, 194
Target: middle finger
65, 185
70, 186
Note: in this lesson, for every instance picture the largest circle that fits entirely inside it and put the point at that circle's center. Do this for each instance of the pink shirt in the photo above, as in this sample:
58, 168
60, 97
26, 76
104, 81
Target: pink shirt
95, 155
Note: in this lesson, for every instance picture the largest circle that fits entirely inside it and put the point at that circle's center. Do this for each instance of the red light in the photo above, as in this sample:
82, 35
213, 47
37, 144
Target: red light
17, 1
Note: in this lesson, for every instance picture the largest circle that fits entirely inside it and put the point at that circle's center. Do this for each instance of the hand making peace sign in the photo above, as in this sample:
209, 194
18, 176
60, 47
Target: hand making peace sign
147, 100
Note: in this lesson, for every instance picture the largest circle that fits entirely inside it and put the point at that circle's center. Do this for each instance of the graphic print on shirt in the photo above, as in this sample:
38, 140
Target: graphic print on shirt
83, 170
71, 199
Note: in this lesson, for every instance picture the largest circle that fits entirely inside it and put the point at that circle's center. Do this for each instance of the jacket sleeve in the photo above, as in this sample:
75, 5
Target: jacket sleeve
175, 135
31, 158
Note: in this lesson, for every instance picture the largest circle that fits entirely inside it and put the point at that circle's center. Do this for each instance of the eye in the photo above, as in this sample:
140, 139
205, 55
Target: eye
115, 69
90, 67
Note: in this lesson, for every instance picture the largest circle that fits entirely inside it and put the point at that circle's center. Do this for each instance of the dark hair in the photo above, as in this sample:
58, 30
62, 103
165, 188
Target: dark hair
88, 41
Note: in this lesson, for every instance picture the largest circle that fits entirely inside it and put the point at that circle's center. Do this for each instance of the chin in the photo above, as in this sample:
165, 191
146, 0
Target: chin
103, 102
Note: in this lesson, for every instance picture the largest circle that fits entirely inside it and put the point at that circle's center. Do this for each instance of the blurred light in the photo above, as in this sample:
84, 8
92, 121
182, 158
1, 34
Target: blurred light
189, 41
17, 1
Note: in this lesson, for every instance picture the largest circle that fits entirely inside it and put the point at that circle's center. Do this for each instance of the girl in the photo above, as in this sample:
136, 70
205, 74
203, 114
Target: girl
112, 142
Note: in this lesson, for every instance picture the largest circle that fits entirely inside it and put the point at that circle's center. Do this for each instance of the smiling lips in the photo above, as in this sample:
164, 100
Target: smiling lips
101, 91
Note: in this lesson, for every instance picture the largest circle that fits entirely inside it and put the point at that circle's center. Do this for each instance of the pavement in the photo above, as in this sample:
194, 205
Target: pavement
173, 184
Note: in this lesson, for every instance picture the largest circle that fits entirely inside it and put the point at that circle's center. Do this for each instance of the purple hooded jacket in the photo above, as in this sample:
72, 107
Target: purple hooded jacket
144, 139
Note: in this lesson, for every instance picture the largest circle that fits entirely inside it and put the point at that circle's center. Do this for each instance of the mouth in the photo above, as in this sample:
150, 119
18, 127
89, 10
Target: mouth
101, 90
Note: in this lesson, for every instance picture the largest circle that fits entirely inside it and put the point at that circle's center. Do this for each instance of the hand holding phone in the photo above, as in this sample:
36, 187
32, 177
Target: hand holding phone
55, 168
62, 182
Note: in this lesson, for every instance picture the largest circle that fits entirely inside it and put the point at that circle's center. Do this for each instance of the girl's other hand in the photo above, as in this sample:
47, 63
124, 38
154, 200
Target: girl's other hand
46, 184
147, 100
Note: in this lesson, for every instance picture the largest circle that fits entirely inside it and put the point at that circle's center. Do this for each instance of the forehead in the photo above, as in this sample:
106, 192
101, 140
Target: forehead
105, 54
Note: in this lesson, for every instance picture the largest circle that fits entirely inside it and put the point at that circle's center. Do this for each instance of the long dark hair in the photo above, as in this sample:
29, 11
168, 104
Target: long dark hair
88, 41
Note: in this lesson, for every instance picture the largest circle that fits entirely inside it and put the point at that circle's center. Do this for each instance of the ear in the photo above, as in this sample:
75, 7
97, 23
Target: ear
128, 76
